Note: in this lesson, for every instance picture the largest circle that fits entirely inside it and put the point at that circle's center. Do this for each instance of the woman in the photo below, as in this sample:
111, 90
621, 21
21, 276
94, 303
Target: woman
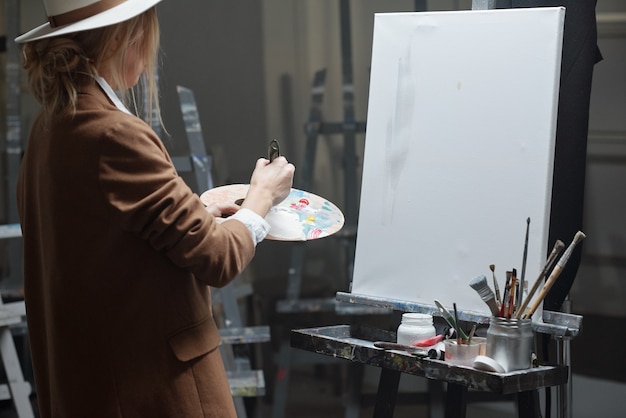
119, 253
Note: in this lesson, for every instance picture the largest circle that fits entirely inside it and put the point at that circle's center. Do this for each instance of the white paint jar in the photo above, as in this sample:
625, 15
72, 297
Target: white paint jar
415, 327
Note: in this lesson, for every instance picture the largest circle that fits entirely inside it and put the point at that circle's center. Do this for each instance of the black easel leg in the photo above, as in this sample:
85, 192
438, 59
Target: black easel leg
437, 404
387, 393
528, 404
456, 401
353, 391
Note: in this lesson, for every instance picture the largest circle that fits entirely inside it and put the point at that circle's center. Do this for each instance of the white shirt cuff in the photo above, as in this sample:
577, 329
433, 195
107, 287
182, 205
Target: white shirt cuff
258, 227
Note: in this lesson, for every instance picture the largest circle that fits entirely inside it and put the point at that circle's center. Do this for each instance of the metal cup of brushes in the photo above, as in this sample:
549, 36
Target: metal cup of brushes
510, 342
510, 336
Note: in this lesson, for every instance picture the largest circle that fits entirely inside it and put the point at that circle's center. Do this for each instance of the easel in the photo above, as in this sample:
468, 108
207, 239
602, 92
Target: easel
322, 340
16, 389
243, 381
13, 142
356, 345
12, 314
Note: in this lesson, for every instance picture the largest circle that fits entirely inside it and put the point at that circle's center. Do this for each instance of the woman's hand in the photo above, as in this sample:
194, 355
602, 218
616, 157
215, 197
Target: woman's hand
222, 210
270, 184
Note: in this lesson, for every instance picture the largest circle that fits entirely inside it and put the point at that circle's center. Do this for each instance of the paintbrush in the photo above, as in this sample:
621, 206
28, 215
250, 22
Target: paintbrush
558, 246
471, 334
511, 307
479, 284
449, 318
496, 288
456, 320
555, 273
522, 281
395, 346
505, 296
273, 150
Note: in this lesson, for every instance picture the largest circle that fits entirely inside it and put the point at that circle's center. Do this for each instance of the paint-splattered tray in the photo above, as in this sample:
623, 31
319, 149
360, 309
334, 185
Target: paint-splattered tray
301, 216
356, 343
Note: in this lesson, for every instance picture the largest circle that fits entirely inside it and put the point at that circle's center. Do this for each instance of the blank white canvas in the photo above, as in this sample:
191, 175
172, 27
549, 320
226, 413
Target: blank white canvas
459, 152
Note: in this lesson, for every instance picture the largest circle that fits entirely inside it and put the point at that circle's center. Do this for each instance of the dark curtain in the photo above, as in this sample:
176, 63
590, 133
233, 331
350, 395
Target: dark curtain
580, 53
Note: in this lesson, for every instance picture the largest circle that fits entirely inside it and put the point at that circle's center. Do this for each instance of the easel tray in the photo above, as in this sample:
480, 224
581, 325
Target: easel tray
356, 344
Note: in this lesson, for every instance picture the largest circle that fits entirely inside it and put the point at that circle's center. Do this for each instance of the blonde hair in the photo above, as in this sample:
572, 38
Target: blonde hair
57, 66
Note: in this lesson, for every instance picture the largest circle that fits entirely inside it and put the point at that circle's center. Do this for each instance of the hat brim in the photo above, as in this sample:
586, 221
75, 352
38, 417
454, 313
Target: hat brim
117, 14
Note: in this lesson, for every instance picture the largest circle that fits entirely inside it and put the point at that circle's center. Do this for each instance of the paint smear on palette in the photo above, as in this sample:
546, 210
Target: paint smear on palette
301, 216
304, 216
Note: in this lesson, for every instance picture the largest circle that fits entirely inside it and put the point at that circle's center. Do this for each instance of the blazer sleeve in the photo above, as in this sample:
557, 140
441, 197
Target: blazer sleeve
140, 183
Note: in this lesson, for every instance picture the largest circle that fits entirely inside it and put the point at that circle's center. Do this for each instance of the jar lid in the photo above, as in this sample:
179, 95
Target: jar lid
488, 364
418, 317
510, 322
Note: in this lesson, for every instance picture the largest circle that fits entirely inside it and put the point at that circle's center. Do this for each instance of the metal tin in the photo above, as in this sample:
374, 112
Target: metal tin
510, 342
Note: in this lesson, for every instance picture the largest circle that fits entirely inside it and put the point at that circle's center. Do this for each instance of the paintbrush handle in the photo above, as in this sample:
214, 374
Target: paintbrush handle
522, 279
558, 246
416, 351
393, 346
456, 321
496, 289
544, 291
449, 318
458, 329
493, 307
471, 334
505, 296
555, 273
511, 306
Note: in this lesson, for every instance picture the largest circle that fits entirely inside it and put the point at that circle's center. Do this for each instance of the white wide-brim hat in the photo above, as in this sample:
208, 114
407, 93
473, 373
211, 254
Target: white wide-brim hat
69, 16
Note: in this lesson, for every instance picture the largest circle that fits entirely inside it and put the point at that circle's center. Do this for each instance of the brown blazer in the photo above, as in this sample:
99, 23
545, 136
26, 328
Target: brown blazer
119, 255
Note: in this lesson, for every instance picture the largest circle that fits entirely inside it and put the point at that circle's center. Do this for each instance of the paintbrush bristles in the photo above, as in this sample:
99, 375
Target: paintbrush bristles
479, 284
496, 288
566, 255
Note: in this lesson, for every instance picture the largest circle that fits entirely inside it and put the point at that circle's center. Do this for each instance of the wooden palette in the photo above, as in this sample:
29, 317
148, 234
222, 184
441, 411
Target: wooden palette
302, 216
